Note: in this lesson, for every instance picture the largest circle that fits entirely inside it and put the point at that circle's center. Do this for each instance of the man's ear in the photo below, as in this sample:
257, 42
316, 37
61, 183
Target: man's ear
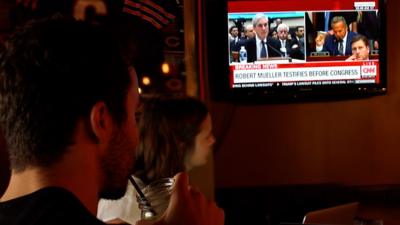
101, 122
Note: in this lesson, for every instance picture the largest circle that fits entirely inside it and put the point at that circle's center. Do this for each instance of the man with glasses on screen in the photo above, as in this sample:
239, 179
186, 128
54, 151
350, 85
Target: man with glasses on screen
261, 46
288, 47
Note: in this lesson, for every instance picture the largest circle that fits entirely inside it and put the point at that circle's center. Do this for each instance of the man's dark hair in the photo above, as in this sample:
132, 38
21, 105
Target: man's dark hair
231, 28
52, 72
298, 27
360, 37
338, 19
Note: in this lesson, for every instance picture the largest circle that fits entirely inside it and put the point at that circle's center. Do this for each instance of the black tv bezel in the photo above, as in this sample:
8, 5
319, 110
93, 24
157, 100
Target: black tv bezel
216, 53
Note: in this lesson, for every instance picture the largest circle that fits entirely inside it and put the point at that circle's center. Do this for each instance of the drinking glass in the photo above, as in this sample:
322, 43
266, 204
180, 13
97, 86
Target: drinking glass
157, 195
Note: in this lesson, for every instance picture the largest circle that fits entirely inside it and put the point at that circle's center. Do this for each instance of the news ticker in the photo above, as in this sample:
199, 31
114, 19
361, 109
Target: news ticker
304, 83
318, 73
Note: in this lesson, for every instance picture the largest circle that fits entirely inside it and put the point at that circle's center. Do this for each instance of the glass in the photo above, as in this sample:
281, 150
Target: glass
157, 195
235, 56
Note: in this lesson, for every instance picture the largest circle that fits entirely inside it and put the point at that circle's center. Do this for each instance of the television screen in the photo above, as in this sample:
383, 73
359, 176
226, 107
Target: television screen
289, 48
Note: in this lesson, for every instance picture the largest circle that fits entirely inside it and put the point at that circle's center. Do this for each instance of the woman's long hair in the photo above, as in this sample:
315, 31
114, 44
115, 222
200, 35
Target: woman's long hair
167, 130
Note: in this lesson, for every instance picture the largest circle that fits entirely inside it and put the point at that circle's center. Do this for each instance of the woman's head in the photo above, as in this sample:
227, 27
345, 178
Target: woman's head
175, 135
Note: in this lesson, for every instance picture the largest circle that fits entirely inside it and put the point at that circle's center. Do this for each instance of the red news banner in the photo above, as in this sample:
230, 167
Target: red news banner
357, 71
236, 6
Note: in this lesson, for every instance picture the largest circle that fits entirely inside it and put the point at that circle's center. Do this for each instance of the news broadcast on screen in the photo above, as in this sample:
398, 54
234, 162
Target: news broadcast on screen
284, 43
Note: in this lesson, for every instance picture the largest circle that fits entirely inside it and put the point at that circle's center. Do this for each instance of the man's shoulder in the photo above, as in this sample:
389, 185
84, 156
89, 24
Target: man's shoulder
250, 40
273, 41
330, 37
248, 43
330, 40
48, 206
291, 42
352, 34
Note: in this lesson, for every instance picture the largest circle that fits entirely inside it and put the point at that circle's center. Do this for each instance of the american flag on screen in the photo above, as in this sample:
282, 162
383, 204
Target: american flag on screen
157, 12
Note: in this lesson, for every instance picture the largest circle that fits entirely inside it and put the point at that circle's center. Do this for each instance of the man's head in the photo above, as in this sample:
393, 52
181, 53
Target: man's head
260, 25
55, 74
274, 34
278, 21
234, 31
339, 27
359, 47
283, 31
299, 31
249, 31
169, 130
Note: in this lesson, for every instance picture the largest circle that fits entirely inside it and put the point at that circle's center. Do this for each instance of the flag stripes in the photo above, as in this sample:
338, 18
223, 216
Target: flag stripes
150, 11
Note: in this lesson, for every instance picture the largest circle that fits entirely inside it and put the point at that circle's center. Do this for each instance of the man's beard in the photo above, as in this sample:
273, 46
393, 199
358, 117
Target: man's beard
116, 166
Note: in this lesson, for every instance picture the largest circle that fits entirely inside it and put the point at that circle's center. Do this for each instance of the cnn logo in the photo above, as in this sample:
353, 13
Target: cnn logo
368, 70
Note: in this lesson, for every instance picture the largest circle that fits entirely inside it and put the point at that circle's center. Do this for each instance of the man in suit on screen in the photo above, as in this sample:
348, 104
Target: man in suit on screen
360, 48
288, 47
261, 46
340, 42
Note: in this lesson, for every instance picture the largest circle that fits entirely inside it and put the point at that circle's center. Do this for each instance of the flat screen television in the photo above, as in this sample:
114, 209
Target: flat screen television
332, 49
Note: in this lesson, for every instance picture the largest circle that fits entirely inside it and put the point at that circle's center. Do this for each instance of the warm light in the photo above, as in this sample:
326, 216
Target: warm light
165, 68
146, 80
139, 90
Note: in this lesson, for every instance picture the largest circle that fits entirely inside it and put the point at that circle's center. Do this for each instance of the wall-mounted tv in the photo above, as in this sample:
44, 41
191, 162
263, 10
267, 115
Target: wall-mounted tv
290, 49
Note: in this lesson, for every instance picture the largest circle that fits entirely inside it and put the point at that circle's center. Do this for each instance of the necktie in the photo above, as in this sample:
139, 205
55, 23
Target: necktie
283, 48
341, 47
263, 50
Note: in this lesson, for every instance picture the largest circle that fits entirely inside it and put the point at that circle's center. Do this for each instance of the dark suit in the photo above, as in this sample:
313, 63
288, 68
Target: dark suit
298, 41
291, 50
234, 44
251, 48
288, 45
331, 44
369, 25
319, 21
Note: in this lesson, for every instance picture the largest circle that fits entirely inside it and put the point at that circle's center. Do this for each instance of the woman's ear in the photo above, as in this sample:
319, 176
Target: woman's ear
101, 123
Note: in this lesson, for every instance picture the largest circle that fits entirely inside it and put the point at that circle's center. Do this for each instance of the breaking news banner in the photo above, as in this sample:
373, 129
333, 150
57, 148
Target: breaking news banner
270, 73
